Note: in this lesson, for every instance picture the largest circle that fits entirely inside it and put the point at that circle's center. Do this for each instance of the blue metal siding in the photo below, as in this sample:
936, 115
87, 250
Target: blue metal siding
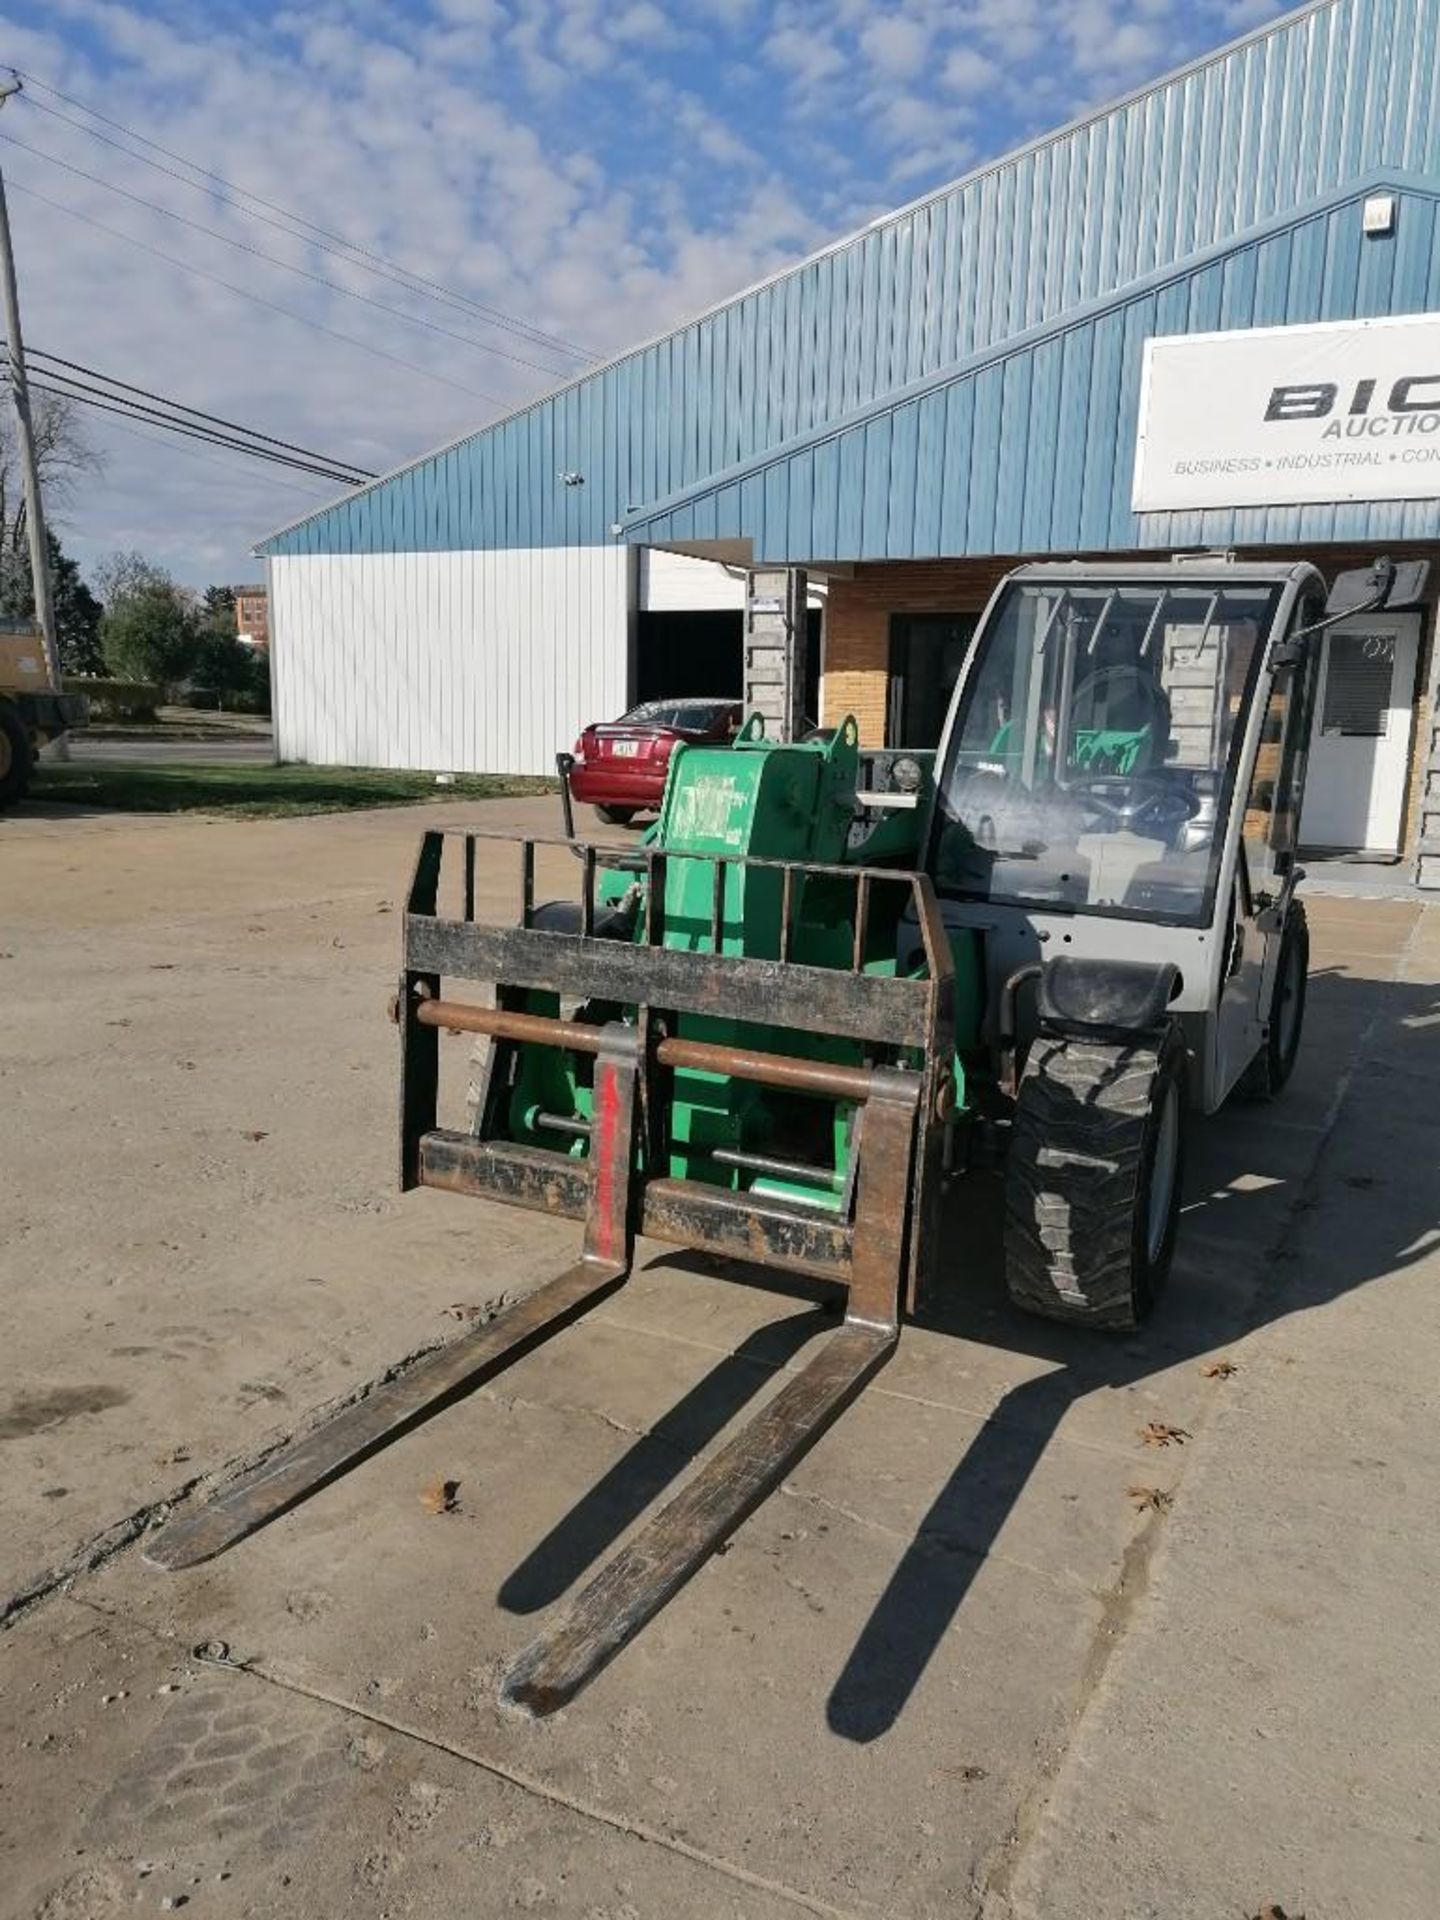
1279, 120
1038, 445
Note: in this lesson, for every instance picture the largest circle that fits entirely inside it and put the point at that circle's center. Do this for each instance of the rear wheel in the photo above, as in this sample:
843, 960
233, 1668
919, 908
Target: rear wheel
1092, 1190
1273, 1065
617, 816
16, 756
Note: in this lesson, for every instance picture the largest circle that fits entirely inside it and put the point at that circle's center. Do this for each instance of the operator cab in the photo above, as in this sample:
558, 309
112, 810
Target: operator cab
1095, 743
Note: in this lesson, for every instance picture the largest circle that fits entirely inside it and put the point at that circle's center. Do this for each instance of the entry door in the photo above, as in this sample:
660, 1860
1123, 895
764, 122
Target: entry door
927, 652
1360, 744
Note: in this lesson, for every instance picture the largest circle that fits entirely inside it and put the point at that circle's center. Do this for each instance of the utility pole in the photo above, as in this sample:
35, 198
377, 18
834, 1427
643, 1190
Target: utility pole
25, 436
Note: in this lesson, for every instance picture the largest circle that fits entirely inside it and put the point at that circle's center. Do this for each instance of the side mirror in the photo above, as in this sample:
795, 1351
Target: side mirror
1386, 584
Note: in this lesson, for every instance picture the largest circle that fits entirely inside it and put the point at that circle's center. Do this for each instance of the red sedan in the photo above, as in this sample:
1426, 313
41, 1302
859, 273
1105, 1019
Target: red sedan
620, 765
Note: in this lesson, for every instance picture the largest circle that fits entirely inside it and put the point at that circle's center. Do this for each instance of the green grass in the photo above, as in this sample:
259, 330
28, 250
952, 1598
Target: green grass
259, 791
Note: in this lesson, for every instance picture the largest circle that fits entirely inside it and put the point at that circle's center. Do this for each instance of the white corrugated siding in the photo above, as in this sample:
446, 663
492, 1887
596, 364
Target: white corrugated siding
684, 583
679, 583
474, 662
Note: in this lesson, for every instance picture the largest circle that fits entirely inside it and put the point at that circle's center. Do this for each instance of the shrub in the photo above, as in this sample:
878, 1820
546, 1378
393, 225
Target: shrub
133, 700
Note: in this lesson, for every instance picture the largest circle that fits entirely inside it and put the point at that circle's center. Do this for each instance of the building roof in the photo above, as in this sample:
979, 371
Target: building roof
1279, 120
1032, 442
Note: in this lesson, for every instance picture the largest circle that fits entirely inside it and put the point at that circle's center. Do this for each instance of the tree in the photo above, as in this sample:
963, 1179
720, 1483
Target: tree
150, 629
220, 607
121, 574
222, 661
77, 611
63, 456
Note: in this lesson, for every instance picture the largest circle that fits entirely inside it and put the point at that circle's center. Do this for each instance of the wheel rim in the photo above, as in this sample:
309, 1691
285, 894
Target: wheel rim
1287, 1015
1162, 1174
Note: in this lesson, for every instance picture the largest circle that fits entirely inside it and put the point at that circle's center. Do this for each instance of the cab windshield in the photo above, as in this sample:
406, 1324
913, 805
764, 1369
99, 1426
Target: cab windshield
1090, 766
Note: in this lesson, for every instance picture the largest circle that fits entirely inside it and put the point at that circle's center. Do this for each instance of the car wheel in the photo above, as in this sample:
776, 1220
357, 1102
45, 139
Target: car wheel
617, 816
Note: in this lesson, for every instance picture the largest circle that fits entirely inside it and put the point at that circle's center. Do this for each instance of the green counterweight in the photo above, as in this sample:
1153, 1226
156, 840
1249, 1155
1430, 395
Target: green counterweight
764, 800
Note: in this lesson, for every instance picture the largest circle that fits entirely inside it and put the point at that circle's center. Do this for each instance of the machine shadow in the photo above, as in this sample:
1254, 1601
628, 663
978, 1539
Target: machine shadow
928, 1588
1347, 1018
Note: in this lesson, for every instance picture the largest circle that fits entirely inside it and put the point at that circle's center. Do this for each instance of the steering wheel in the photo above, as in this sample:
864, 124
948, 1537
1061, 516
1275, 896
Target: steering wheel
1129, 799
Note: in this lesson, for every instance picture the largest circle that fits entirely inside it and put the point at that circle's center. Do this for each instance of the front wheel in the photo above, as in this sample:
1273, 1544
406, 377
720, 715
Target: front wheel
16, 756
617, 816
1092, 1188
1273, 1065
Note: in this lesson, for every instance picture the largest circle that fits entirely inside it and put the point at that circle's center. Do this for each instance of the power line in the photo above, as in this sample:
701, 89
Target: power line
155, 439
214, 419
115, 396
286, 266
334, 333
82, 391
128, 410
378, 263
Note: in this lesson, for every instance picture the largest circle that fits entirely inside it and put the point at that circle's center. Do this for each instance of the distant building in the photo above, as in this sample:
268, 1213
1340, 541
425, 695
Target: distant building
252, 616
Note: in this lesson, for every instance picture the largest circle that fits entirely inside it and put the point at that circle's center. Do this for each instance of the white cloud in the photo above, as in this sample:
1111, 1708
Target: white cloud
967, 71
896, 44
643, 22
603, 168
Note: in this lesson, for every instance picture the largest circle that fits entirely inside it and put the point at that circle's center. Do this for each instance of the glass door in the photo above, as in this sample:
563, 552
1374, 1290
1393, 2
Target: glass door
927, 652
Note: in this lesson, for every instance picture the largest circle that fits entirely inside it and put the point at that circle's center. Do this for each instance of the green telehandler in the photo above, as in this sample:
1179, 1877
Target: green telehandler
771, 1028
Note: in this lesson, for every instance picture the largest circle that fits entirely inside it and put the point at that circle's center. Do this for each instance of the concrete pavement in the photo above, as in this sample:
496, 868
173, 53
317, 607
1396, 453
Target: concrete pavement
1267, 1732
933, 1676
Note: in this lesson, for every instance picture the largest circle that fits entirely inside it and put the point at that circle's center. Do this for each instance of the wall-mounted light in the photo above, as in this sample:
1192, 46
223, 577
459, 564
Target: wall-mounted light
570, 479
1379, 215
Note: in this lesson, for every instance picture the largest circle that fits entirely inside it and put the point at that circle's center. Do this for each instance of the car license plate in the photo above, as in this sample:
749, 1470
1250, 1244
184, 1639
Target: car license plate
625, 749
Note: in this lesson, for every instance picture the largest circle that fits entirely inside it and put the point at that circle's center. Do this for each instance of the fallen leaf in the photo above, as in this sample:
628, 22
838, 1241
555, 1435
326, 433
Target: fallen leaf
1220, 1369
257, 1133
1151, 1499
457, 1310
965, 1773
384, 907
441, 1496
163, 966
1274, 1911
1159, 1433
257, 929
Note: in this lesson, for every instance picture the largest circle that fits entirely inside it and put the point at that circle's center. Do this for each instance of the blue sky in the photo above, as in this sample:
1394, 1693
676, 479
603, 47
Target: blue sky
598, 168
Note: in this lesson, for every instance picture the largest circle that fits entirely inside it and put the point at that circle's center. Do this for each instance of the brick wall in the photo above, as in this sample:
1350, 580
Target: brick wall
857, 627
859, 609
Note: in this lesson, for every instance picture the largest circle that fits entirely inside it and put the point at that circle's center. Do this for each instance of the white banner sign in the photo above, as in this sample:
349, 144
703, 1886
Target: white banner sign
1281, 416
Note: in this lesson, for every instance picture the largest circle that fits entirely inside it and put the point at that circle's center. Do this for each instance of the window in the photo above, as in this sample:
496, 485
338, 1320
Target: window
926, 655
1096, 747
1359, 672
